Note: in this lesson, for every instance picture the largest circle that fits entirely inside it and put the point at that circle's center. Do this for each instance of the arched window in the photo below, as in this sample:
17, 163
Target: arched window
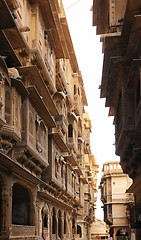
79, 231
70, 131
45, 224
53, 221
65, 224
59, 224
20, 205
73, 226
45, 221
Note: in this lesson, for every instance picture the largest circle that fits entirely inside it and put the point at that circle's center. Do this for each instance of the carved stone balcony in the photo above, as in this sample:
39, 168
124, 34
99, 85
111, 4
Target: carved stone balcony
28, 156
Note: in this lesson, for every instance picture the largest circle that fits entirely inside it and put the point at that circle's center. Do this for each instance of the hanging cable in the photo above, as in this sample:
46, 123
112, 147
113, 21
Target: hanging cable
72, 5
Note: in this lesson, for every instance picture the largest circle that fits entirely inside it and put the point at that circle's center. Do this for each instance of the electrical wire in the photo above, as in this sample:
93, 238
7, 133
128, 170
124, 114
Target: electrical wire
72, 5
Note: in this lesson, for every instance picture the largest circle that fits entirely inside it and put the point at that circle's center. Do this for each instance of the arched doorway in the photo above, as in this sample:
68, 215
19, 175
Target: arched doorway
20, 205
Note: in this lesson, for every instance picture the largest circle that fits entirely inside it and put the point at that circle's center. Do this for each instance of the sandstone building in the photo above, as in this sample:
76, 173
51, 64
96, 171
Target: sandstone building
116, 201
99, 230
118, 22
47, 171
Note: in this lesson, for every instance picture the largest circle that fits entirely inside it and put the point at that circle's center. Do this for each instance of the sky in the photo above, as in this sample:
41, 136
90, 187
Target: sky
88, 50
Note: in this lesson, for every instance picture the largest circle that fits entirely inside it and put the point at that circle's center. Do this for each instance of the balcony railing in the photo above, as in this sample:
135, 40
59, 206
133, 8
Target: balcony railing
21, 230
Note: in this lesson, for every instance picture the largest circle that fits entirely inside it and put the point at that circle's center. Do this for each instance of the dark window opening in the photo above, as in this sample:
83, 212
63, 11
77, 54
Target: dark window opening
74, 89
56, 168
20, 205
110, 210
59, 224
62, 170
138, 92
70, 131
73, 226
122, 232
78, 91
0, 211
79, 231
65, 224
53, 221
45, 221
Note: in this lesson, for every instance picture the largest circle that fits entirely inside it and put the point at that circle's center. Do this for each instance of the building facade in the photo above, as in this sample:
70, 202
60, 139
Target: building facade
46, 164
116, 201
99, 230
119, 24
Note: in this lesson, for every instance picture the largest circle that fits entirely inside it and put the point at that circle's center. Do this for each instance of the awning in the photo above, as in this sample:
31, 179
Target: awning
8, 25
40, 106
15, 38
113, 77
134, 70
134, 36
37, 80
70, 158
6, 19
50, 15
113, 45
59, 141
20, 87
7, 51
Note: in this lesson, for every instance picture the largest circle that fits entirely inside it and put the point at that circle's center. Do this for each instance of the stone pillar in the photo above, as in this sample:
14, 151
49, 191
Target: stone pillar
6, 214
67, 227
89, 231
70, 227
50, 226
62, 227
56, 217
35, 211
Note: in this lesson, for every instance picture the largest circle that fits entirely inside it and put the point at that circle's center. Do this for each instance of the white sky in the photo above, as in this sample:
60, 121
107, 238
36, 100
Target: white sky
89, 55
